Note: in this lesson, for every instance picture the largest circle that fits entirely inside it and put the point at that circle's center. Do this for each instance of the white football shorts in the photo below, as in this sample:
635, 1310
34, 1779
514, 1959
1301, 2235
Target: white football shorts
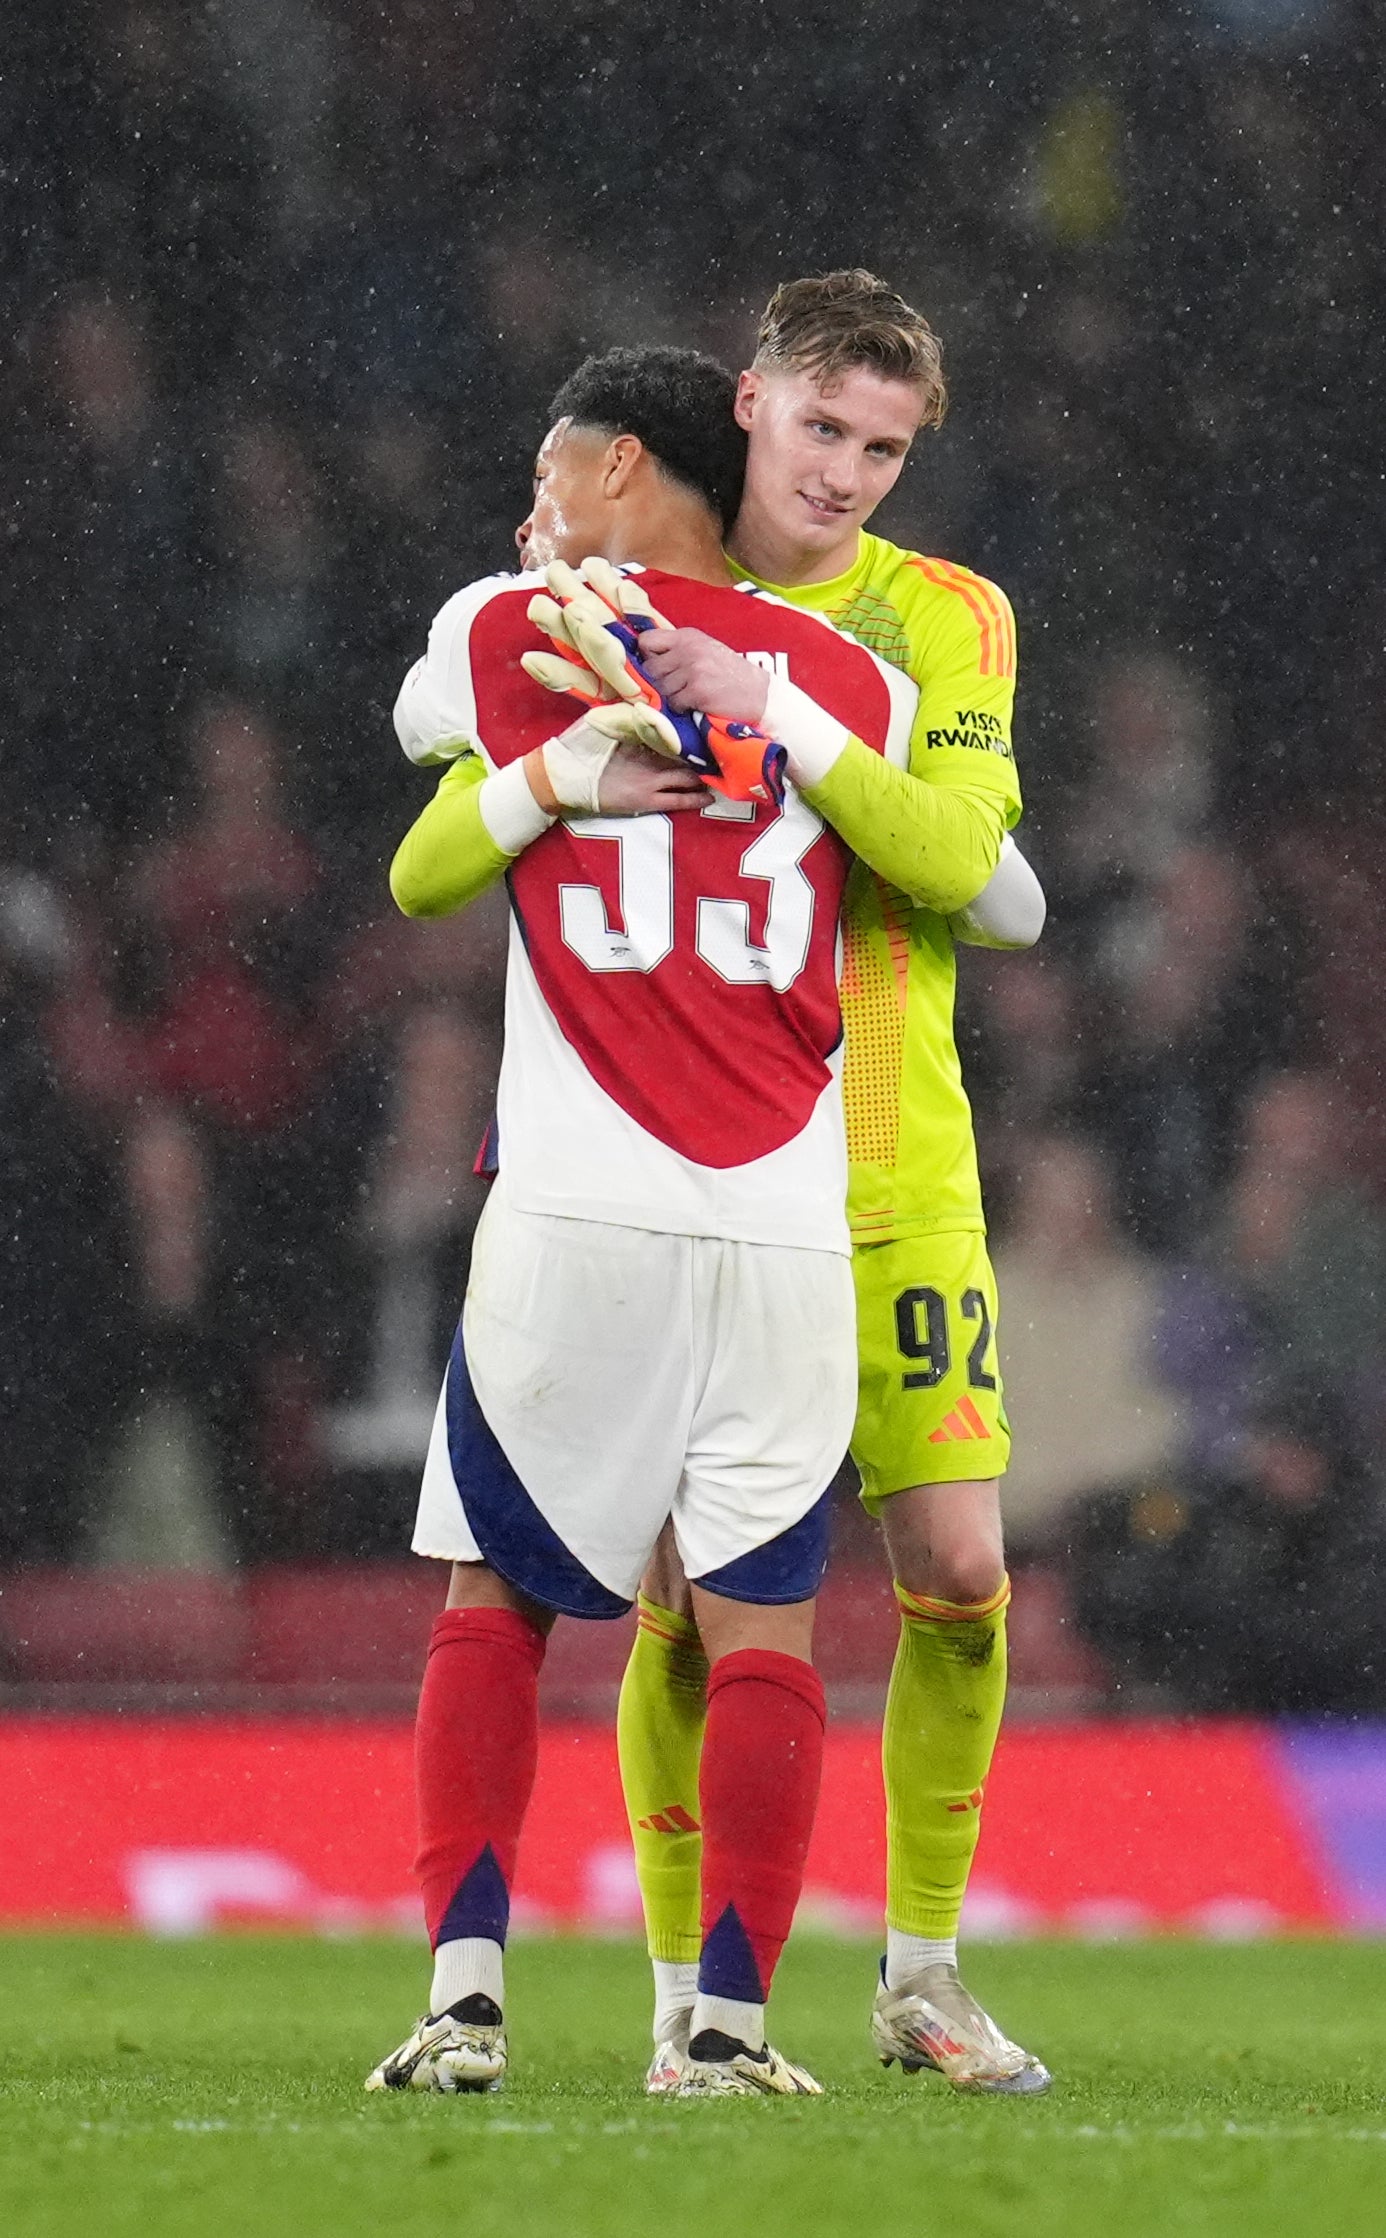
606, 1378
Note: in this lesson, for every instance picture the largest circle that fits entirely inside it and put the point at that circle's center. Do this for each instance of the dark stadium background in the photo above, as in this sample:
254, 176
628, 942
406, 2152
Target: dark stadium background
288, 287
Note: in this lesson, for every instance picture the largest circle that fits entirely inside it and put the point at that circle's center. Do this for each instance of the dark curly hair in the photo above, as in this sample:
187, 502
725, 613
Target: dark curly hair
679, 403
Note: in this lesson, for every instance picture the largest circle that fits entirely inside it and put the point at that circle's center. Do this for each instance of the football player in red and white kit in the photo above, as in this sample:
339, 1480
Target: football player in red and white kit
659, 1321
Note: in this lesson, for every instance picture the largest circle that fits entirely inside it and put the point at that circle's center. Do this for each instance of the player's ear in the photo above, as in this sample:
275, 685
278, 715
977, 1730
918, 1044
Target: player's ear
623, 456
749, 386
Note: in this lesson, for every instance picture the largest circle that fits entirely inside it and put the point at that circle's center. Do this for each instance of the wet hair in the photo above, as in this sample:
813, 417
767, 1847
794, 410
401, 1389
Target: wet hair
827, 326
679, 403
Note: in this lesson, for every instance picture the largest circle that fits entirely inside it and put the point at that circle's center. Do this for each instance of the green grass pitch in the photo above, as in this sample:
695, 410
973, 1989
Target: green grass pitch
213, 2088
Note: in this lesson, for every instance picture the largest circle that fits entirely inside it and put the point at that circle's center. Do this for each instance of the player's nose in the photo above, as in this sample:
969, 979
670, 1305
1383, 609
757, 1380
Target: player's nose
842, 480
523, 534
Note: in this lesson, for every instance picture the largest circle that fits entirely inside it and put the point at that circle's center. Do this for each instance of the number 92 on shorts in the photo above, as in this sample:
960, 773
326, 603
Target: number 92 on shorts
929, 1407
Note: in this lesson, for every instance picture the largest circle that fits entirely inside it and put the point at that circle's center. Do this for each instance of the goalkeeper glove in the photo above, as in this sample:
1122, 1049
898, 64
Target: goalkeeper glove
600, 615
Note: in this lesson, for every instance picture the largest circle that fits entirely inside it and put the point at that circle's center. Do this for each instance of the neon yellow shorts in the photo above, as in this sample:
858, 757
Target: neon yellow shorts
929, 1405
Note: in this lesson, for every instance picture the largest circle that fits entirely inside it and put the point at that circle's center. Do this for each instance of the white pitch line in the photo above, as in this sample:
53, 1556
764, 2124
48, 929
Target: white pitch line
1087, 2133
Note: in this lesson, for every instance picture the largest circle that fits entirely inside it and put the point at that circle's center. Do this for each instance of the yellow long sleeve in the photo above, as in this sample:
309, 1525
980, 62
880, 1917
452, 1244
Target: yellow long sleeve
448, 857
938, 843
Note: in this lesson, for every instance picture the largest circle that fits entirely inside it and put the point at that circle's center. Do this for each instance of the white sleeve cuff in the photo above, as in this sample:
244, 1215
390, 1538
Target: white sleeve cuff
510, 811
812, 739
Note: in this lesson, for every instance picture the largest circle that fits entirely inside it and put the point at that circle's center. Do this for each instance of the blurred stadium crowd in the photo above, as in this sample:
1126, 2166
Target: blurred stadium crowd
290, 286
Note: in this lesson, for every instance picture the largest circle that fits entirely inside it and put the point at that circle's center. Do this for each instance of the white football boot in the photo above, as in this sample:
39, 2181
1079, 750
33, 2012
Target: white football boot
666, 2069
939, 2024
460, 2050
736, 2072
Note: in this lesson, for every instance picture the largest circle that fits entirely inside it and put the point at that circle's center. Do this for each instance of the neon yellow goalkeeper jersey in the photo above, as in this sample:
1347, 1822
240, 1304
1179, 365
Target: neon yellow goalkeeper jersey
909, 1124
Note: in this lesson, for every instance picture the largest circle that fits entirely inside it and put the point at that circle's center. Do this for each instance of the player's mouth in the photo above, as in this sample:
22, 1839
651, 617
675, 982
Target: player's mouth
826, 508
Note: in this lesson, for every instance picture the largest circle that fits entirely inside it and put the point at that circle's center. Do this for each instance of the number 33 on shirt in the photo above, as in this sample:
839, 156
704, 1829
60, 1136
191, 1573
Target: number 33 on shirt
673, 1032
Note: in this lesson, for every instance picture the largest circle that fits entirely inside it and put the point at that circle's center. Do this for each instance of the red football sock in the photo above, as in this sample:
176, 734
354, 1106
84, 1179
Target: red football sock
476, 1745
762, 1764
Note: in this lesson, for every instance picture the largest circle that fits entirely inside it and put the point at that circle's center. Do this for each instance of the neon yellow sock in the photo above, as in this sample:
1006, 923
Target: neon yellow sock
659, 1738
947, 1691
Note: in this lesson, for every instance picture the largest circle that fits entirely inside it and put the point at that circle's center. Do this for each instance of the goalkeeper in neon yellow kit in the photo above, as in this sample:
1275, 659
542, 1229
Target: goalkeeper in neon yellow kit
845, 376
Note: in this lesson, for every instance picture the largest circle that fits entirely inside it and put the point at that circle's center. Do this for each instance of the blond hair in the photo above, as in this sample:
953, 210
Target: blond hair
827, 325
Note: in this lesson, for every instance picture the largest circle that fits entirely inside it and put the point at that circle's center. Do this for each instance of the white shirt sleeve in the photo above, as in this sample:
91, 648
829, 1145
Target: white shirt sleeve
435, 713
1009, 912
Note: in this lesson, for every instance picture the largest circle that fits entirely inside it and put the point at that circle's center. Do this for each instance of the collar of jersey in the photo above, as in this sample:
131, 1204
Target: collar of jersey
824, 595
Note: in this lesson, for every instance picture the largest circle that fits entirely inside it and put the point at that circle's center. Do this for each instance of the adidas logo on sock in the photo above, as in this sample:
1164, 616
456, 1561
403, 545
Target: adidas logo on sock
673, 1819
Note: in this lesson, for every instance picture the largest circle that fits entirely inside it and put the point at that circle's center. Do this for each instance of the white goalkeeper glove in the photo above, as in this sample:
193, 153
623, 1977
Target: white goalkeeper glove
586, 615
600, 616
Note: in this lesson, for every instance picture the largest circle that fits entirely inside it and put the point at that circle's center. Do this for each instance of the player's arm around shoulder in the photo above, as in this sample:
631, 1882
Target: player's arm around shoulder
961, 637
449, 856
936, 827
498, 796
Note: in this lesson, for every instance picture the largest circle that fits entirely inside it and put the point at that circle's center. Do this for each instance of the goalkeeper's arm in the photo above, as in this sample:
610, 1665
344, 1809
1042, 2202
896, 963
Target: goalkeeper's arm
938, 843
475, 825
466, 839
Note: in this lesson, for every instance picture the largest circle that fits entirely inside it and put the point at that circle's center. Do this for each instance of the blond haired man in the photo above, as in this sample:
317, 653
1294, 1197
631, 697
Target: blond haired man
845, 376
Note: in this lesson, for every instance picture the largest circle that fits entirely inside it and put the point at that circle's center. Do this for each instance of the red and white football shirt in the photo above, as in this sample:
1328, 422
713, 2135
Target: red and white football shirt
672, 1030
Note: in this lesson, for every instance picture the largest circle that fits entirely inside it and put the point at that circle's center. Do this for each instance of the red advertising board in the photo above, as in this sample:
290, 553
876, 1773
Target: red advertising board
183, 1825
